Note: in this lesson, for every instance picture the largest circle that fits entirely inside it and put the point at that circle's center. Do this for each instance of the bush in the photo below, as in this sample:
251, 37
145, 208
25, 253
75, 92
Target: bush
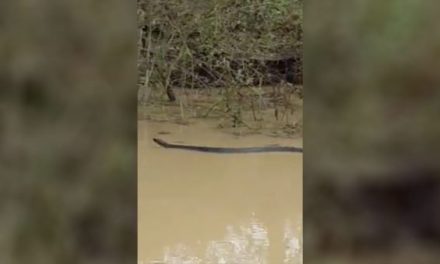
217, 43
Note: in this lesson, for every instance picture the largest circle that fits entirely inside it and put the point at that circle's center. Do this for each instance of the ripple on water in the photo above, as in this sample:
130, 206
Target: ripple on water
243, 244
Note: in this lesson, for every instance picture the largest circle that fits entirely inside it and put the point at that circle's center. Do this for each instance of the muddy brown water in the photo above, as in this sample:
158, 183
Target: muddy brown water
190, 200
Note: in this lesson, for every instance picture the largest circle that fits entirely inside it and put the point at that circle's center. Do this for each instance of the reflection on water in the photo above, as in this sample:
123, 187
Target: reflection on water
293, 244
197, 207
247, 244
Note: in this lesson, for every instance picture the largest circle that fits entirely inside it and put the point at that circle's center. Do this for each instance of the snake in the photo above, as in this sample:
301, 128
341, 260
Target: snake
228, 150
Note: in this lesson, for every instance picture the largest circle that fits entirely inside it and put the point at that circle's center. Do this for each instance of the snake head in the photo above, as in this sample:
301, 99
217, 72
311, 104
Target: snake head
159, 141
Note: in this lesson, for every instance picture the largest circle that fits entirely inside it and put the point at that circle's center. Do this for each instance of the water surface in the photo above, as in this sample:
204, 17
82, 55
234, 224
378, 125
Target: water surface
190, 201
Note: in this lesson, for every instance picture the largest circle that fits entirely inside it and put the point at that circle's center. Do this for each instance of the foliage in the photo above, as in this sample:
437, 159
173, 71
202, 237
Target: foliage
212, 43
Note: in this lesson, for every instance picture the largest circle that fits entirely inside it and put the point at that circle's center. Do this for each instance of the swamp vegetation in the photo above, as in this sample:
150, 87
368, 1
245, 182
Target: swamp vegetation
240, 61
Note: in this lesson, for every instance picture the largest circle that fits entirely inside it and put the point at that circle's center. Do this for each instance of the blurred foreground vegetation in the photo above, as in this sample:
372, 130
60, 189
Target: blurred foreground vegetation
372, 176
67, 132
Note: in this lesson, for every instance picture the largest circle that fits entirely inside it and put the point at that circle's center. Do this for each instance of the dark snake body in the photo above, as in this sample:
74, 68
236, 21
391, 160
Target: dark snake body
228, 150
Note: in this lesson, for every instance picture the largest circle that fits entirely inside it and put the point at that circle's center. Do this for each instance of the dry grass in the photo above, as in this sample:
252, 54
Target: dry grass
221, 45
